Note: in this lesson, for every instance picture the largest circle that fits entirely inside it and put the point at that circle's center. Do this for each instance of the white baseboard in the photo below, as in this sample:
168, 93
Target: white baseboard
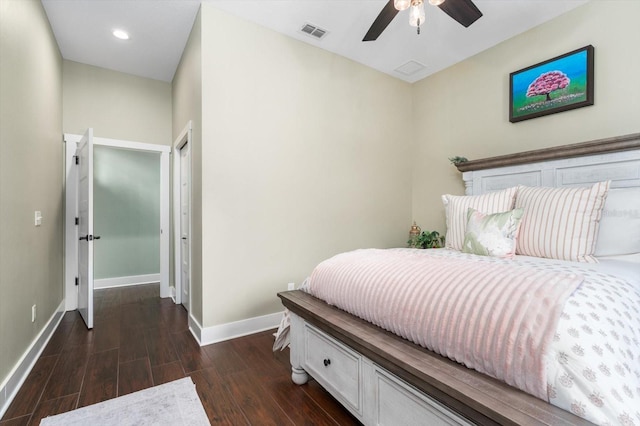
126, 281
17, 376
231, 330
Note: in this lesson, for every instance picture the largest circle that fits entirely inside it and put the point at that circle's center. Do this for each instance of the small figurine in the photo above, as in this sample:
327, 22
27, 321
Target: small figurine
414, 235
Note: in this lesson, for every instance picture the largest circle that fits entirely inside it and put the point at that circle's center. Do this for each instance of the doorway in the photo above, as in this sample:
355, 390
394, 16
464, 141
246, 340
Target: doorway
126, 187
71, 204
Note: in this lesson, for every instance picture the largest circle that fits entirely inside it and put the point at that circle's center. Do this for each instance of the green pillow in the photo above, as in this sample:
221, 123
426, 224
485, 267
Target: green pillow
492, 234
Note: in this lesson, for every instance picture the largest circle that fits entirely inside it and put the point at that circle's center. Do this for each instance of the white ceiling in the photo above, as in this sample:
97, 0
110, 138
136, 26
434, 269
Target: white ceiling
160, 28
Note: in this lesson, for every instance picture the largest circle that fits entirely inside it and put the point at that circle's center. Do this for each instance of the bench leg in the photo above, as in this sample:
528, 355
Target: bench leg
299, 376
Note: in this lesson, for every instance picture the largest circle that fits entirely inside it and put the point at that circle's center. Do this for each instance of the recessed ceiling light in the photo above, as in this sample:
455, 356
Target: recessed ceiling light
122, 35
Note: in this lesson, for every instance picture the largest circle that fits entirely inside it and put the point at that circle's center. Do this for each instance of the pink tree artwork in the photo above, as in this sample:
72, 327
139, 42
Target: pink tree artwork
547, 82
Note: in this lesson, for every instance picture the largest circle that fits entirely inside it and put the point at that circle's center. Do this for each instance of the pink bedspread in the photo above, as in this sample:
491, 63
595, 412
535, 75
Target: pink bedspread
495, 318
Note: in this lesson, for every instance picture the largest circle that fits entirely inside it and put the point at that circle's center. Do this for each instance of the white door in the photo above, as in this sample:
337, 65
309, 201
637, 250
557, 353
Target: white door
185, 217
84, 158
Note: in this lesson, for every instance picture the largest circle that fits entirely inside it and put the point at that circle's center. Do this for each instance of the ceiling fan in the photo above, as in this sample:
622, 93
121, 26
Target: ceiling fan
463, 11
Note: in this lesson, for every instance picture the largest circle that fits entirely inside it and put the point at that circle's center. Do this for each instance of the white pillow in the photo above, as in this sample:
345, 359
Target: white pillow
456, 207
620, 224
561, 223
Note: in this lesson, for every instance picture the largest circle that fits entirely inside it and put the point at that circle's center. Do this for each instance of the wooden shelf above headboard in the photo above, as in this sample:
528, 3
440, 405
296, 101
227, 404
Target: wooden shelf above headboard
600, 146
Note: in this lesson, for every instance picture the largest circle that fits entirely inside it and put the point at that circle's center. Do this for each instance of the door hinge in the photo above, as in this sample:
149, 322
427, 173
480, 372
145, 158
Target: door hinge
77, 281
77, 159
77, 221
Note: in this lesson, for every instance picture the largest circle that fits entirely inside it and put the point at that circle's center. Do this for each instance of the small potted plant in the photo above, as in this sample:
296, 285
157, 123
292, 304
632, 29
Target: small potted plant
424, 239
458, 160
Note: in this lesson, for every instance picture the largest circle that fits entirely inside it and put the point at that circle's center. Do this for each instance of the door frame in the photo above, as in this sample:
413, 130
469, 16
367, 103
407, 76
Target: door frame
71, 212
183, 139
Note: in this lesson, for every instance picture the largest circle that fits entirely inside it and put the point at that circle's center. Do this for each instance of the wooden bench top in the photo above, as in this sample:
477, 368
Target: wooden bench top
478, 397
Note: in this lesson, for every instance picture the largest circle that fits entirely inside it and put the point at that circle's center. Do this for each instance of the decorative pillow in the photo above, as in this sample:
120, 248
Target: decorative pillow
492, 234
561, 223
620, 224
456, 207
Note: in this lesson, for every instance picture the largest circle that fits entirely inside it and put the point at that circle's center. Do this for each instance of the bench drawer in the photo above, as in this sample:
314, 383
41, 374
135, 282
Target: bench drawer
398, 404
336, 367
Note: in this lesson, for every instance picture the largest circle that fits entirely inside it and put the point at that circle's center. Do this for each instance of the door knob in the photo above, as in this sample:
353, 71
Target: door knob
97, 237
86, 238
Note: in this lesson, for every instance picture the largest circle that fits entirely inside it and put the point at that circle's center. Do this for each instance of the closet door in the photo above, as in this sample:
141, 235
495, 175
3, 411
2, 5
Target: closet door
185, 224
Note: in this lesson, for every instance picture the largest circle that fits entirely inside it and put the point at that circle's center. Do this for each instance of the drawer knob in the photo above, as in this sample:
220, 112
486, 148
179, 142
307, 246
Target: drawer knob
327, 362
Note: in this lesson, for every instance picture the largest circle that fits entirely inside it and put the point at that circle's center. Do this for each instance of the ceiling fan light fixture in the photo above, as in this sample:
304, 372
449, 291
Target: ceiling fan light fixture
416, 14
401, 4
465, 12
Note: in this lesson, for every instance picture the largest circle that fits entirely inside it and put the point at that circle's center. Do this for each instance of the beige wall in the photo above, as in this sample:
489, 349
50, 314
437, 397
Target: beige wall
187, 106
116, 105
30, 176
304, 154
463, 110
298, 153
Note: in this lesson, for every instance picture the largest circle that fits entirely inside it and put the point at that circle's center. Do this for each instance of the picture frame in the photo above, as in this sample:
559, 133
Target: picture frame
559, 84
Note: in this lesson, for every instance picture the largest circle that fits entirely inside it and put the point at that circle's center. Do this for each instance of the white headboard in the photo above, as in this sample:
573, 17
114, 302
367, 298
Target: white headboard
616, 159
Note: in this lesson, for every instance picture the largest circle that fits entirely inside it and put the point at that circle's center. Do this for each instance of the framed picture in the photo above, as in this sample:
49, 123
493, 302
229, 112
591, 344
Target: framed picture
559, 84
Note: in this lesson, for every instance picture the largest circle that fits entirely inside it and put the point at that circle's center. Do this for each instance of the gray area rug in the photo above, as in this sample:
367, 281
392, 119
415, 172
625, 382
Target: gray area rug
174, 403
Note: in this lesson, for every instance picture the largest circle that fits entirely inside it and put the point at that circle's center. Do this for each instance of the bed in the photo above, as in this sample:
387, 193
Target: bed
386, 373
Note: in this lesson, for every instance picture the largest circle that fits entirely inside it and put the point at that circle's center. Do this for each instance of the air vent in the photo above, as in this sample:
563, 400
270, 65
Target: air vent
410, 68
313, 31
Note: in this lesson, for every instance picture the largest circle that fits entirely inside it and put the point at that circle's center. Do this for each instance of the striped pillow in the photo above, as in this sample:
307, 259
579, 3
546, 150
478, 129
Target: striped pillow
561, 223
456, 207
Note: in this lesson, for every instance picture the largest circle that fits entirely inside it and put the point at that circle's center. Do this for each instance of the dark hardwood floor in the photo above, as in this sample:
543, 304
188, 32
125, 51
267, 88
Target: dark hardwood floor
139, 341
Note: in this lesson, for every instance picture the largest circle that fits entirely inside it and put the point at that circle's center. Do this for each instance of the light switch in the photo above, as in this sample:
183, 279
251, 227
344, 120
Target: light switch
38, 218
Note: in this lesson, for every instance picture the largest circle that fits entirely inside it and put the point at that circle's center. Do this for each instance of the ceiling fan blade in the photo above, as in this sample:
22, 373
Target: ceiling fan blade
385, 17
463, 11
